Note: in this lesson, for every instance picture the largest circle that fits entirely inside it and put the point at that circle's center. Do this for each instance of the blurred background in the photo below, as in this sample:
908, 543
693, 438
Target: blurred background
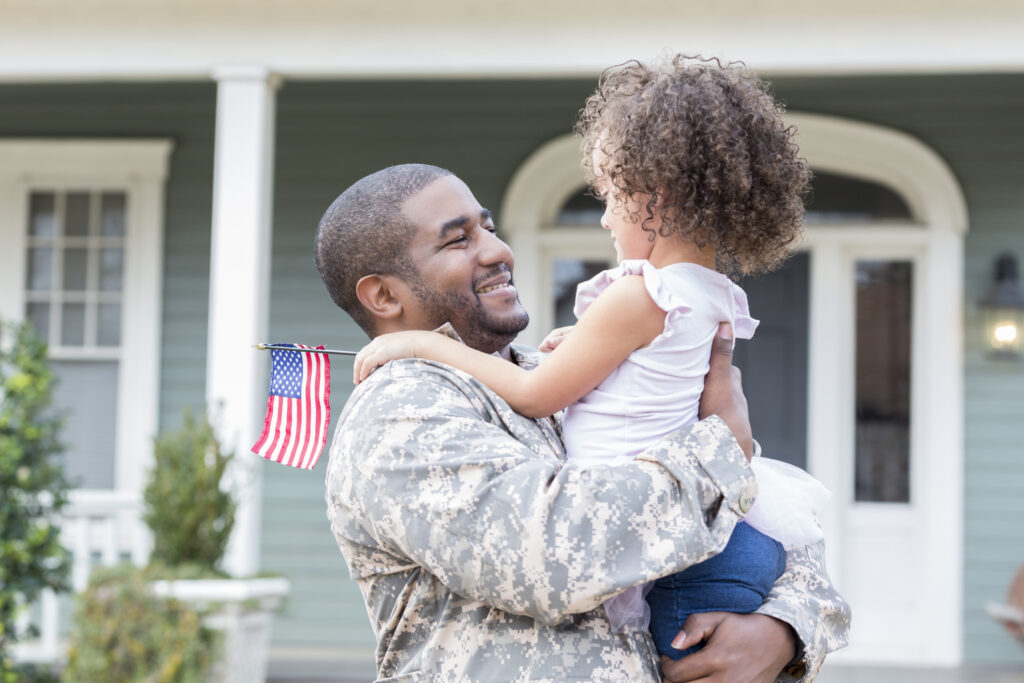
163, 166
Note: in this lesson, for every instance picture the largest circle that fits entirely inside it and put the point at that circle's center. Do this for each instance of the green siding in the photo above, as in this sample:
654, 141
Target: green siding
184, 113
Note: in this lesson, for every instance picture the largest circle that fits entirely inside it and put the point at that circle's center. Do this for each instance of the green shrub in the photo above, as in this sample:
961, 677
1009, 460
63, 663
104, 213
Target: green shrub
123, 632
185, 505
32, 484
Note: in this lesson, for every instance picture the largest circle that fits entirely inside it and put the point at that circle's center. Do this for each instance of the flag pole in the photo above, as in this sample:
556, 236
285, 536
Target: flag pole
337, 352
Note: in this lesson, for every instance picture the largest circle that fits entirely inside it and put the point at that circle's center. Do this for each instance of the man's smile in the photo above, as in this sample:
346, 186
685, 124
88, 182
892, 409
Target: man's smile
501, 283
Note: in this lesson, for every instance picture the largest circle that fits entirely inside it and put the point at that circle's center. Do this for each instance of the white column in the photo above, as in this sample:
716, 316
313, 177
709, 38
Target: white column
239, 288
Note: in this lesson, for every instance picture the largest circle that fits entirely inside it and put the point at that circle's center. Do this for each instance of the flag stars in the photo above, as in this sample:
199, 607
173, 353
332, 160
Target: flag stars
286, 374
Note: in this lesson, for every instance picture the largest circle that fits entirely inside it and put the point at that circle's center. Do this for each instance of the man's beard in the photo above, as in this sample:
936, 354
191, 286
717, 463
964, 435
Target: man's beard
479, 328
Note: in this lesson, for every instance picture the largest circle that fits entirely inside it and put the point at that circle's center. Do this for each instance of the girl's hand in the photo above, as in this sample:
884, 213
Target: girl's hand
387, 347
555, 338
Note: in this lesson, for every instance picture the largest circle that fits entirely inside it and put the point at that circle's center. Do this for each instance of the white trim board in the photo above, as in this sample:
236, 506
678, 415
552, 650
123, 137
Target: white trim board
65, 40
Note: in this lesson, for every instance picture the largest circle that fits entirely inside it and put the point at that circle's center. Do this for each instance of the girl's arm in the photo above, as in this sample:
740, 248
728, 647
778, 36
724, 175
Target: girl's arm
621, 320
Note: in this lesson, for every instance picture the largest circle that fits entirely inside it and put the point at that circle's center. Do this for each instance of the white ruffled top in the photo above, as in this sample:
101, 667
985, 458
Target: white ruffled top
656, 390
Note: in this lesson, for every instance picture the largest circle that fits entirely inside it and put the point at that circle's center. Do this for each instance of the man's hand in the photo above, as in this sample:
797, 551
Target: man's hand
743, 648
723, 391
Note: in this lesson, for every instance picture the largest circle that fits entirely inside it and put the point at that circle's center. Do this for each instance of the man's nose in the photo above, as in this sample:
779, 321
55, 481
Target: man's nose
493, 250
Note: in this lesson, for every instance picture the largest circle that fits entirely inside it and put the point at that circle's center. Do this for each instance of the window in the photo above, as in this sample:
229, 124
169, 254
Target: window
83, 223
73, 297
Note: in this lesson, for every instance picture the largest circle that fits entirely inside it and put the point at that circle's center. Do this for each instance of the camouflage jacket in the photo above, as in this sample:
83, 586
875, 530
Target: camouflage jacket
483, 556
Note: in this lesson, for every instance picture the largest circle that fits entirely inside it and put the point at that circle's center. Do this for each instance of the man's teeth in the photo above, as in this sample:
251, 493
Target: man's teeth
484, 290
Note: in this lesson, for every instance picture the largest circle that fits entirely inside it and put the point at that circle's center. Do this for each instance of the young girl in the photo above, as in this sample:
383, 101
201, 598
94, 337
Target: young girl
700, 177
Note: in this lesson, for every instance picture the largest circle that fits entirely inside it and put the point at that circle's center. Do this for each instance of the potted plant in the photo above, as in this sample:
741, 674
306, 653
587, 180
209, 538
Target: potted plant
191, 514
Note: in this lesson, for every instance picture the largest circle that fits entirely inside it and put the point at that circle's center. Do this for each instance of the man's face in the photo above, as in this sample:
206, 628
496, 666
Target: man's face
463, 271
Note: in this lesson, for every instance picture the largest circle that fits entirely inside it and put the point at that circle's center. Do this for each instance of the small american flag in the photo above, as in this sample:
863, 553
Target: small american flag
298, 408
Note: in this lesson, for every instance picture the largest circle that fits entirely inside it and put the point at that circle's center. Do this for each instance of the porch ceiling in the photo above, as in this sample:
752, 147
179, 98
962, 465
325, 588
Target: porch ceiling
174, 39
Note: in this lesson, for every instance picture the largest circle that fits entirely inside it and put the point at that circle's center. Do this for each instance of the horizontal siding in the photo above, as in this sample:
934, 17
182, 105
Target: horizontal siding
976, 123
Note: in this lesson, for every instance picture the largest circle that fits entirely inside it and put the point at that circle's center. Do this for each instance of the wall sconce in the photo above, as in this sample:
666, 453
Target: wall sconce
1003, 310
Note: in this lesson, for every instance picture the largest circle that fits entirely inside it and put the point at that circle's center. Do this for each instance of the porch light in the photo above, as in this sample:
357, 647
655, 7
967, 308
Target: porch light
1003, 310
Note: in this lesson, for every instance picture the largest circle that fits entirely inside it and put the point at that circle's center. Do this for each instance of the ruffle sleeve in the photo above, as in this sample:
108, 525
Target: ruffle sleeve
666, 299
743, 325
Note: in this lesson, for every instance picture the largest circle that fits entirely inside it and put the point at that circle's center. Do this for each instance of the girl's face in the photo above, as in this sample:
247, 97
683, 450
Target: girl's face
623, 216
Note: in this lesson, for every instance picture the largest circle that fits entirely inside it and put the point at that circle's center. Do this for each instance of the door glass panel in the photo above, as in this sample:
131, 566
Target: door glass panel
567, 274
774, 362
882, 450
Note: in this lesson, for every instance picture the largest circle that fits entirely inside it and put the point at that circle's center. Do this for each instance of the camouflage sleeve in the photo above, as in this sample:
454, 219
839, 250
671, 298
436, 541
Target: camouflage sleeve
440, 479
805, 598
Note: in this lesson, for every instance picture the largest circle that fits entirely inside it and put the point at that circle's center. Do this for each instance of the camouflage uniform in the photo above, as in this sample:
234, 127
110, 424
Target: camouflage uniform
483, 556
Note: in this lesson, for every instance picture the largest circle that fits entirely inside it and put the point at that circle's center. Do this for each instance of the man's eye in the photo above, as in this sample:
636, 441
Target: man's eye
461, 238
491, 229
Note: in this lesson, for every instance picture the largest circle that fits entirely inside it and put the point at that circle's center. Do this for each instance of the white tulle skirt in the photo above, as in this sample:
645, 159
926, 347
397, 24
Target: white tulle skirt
788, 508
788, 505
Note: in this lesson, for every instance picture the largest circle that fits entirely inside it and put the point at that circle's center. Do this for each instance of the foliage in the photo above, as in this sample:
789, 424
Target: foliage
185, 504
125, 633
32, 485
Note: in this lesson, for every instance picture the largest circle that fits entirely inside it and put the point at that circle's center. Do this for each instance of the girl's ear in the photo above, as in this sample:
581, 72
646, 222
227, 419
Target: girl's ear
661, 197
377, 294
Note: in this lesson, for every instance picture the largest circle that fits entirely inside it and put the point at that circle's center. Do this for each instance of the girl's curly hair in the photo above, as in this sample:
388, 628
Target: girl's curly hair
707, 141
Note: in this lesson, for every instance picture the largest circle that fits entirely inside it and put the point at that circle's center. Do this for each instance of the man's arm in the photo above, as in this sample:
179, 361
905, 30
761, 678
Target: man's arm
805, 598
500, 517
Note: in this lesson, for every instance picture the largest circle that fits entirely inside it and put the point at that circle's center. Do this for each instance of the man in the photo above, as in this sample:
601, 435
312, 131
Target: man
481, 554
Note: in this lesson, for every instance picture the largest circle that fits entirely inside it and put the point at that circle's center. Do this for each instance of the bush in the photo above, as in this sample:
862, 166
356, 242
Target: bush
122, 631
32, 485
185, 506
125, 633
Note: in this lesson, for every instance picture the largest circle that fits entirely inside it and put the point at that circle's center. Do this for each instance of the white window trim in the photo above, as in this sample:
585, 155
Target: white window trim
553, 172
139, 168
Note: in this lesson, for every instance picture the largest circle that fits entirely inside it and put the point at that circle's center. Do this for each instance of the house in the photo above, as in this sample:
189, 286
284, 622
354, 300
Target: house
163, 167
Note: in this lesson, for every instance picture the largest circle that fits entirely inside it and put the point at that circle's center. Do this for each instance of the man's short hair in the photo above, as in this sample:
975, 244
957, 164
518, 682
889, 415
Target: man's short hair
364, 232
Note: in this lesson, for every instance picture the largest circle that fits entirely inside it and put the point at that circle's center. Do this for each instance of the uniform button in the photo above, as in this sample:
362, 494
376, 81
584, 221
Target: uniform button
745, 503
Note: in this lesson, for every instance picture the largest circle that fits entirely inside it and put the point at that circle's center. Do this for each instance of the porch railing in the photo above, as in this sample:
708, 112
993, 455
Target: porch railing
100, 529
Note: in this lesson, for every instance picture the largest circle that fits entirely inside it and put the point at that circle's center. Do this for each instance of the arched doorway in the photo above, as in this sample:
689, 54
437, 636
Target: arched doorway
868, 383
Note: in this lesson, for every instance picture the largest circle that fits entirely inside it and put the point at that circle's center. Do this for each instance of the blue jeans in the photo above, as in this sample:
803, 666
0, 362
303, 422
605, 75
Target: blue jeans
736, 580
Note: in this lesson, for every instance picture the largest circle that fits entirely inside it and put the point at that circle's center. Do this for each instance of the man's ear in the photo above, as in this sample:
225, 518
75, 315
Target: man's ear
378, 295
